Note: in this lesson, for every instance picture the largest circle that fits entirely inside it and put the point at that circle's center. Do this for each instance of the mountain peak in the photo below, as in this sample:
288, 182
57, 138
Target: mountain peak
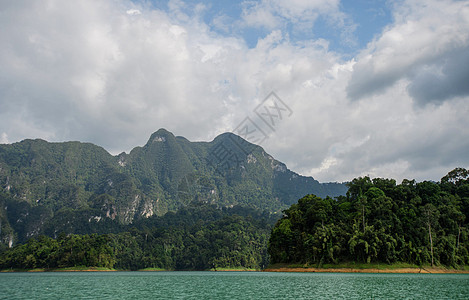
160, 136
163, 175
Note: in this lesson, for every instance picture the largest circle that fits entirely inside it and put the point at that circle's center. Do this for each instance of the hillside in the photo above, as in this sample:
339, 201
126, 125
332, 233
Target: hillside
379, 222
196, 237
78, 187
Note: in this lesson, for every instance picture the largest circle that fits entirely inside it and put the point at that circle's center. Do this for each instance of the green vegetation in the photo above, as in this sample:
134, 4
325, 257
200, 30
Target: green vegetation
173, 205
198, 237
379, 225
379, 221
79, 188
349, 265
66, 251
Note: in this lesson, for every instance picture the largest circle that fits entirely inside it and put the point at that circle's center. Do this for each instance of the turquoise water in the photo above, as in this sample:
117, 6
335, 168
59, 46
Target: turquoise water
231, 285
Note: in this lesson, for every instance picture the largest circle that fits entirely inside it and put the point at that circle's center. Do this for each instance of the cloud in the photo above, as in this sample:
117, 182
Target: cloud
92, 71
133, 12
427, 45
297, 17
271, 14
4, 138
384, 136
445, 79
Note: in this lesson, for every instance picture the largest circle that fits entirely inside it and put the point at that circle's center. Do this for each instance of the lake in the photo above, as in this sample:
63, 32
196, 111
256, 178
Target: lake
231, 285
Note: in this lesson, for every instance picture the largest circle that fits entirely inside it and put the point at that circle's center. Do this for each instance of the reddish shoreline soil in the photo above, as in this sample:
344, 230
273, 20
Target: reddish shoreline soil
351, 270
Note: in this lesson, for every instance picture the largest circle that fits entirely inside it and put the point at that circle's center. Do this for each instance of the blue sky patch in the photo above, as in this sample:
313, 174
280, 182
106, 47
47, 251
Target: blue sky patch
361, 21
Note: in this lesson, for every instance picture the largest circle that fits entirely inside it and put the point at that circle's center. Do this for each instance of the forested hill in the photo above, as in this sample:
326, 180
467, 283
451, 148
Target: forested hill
423, 223
196, 237
378, 221
78, 187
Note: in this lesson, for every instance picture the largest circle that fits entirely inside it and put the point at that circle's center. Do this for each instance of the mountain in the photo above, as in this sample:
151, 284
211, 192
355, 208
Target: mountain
78, 187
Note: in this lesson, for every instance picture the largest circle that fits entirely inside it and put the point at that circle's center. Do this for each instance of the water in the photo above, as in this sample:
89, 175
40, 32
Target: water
231, 285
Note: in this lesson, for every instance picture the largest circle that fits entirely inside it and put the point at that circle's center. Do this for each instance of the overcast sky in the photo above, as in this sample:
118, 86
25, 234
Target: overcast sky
377, 88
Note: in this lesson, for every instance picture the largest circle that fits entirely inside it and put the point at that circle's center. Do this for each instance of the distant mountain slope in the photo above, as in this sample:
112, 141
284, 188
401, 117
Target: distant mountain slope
46, 187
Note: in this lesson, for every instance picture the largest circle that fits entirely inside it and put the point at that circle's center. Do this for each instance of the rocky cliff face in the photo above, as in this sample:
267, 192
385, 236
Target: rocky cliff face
47, 187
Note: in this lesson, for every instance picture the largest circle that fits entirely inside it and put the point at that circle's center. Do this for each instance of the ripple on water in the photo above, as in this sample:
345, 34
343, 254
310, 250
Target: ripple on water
231, 285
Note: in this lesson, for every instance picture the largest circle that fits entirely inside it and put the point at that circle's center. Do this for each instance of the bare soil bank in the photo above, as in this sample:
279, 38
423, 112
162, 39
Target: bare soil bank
371, 270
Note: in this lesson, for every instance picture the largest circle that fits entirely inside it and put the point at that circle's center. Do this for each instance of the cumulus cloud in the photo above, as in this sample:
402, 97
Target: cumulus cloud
445, 79
427, 45
93, 72
113, 72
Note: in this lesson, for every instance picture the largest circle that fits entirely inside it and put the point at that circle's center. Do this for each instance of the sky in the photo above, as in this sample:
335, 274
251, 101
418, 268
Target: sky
362, 88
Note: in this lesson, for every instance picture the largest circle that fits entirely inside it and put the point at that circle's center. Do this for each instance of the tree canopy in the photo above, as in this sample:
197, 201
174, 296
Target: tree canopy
379, 221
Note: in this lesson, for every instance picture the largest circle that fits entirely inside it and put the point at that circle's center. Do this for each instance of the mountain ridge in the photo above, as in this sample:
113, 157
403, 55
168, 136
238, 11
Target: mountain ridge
46, 187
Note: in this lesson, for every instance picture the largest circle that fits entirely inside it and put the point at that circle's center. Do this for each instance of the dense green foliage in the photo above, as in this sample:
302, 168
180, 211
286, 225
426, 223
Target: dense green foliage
66, 251
46, 188
197, 237
379, 221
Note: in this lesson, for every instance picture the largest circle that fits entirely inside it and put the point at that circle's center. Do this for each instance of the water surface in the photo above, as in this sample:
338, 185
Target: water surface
231, 285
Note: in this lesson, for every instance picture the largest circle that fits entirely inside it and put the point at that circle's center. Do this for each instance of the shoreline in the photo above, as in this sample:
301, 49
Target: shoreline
94, 269
272, 269
90, 269
368, 270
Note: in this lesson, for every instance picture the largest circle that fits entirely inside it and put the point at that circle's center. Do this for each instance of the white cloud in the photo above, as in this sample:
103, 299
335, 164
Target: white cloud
133, 12
428, 43
272, 14
4, 138
297, 18
92, 71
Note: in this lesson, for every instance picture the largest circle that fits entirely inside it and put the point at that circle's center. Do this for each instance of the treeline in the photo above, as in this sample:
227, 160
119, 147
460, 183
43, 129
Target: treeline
379, 221
198, 237
66, 251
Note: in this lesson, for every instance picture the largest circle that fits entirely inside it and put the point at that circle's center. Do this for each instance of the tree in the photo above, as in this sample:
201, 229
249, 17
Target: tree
379, 221
458, 176
430, 216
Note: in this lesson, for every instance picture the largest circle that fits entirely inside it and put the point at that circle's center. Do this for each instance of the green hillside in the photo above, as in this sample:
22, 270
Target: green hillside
73, 187
196, 237
379, 221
